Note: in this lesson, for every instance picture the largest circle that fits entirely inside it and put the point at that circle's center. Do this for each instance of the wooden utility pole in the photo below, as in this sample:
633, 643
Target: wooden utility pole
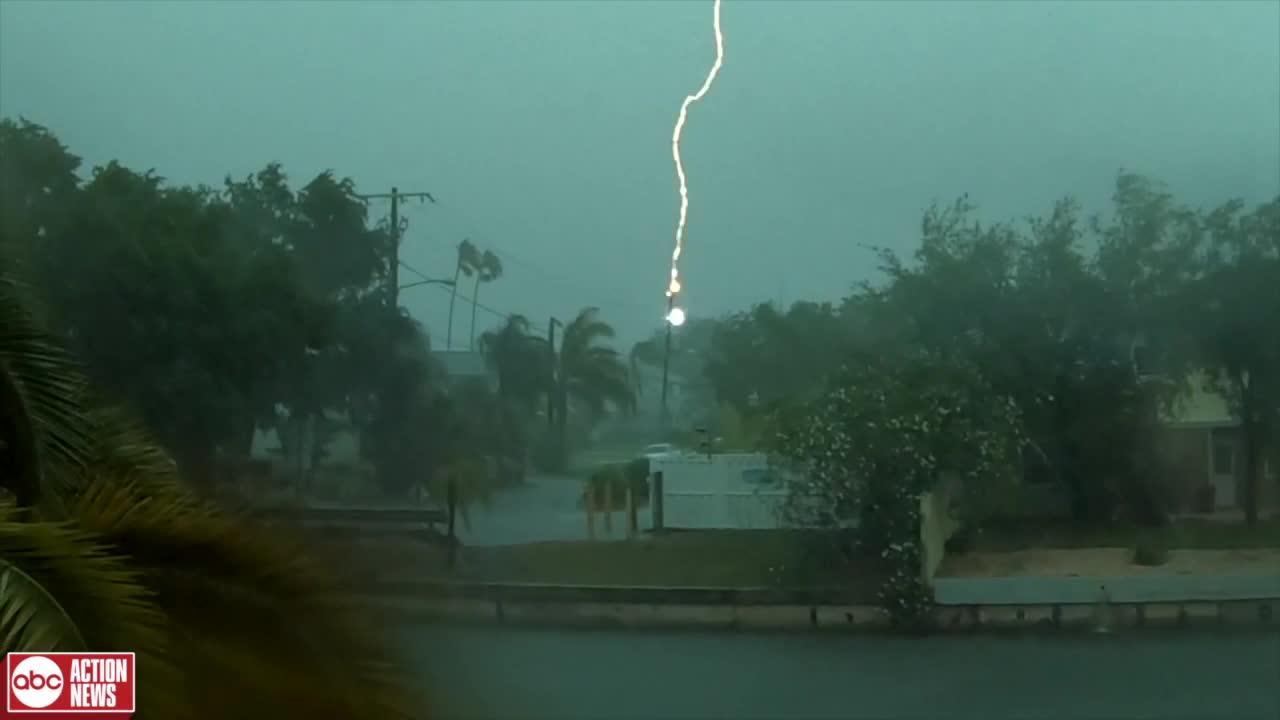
551, 370
393, 278
665, 417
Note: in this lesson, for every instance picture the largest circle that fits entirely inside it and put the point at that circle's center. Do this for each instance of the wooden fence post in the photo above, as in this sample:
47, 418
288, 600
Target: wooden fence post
453, 511
655, 501
589, 502
608, 506
633, 524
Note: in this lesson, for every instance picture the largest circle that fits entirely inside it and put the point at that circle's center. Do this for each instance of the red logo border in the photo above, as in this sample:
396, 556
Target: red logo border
8, 679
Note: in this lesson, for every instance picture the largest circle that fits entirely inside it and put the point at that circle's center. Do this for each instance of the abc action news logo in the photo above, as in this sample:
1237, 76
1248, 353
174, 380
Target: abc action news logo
71, 685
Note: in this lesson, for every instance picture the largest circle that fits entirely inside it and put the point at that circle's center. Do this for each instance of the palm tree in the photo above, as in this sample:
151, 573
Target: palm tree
645, 352
590, 373
103, 548
488, 269
468, 259
521, 361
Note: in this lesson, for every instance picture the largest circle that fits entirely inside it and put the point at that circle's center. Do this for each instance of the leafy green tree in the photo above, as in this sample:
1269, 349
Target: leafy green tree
144, 301
887, 430
763, 357
339, 255
1046, 328
38, 183
1232, 309
405, 431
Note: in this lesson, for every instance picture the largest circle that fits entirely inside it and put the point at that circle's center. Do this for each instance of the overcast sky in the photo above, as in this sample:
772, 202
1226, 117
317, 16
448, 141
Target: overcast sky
543, 128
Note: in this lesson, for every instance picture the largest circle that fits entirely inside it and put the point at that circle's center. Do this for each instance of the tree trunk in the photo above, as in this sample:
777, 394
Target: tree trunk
448, 338
475, 298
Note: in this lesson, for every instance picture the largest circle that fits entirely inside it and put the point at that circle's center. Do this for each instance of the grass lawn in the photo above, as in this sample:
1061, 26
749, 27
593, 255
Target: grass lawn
716, 558
1182, 534
753, 558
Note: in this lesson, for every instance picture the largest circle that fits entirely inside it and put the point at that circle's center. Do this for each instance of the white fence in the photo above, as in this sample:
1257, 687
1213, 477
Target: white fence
729, 491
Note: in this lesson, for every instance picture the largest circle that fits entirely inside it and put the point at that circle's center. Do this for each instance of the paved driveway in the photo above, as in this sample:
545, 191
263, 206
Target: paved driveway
545, 508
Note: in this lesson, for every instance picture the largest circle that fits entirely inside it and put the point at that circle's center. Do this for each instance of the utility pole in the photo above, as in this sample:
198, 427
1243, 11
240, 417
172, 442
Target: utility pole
551, 372
393, 279
666, 365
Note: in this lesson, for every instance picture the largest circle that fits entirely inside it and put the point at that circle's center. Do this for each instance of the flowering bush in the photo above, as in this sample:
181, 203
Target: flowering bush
886, 432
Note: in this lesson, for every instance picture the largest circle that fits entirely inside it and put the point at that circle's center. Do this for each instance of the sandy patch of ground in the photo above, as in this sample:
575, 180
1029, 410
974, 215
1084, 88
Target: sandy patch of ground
1107, 562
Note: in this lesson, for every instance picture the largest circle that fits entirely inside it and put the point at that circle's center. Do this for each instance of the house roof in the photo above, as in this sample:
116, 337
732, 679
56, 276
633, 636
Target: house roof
462, 363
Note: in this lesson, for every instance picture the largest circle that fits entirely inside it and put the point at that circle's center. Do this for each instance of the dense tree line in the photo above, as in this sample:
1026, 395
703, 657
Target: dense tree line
214, 312
1060, 314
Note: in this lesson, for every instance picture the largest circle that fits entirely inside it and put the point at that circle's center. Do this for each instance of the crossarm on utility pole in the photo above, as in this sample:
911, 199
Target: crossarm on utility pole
393, 274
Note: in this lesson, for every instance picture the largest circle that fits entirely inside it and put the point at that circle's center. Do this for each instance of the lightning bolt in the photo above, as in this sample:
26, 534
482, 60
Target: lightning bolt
673, 288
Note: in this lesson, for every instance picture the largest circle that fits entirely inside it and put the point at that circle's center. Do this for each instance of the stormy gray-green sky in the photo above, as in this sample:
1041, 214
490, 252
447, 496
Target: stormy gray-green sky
543, 128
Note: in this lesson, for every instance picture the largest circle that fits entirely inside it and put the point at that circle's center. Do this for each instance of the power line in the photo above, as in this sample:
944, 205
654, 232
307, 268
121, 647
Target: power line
506, 254
393, 284
496, 313
559, 278
481, 306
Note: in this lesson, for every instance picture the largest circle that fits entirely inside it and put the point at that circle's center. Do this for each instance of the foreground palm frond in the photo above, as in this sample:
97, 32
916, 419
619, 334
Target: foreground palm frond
227, 620
60, 589
260, 630
42, 405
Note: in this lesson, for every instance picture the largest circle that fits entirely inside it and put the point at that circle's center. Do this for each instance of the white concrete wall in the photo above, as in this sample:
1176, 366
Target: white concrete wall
717, 492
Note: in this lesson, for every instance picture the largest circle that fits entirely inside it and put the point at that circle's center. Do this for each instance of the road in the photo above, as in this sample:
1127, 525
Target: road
502, 674
544, 508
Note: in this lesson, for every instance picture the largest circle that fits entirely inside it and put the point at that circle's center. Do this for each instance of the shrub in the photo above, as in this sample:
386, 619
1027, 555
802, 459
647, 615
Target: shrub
1150, 551
617, 477
888, 430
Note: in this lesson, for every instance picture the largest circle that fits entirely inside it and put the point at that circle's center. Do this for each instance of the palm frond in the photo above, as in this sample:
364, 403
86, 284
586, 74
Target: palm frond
42, 391
61, 589
263, 630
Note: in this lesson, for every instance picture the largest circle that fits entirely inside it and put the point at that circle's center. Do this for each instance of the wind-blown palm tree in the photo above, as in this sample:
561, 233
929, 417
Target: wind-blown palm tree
645, 352
521, 360
102, 548
488, 269
468, 259
590, 373
522, 363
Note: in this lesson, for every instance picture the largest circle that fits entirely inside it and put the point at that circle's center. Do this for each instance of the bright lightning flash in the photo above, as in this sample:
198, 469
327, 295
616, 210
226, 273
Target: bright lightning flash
676, 317
673, 288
